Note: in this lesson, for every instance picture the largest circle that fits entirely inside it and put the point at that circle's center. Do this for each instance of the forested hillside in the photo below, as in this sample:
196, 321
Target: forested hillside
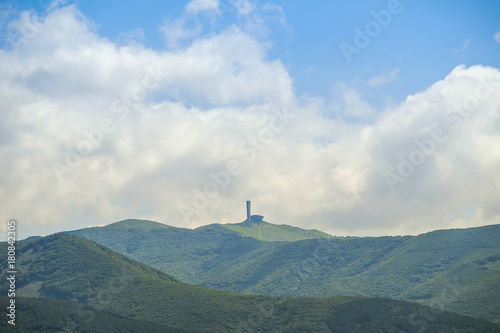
78, 270
456, 269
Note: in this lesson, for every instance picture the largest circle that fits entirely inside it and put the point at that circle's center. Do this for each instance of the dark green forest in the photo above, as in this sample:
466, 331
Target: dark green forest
50, 315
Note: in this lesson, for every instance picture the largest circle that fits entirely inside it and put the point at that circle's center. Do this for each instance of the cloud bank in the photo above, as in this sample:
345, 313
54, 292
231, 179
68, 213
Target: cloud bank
95, 131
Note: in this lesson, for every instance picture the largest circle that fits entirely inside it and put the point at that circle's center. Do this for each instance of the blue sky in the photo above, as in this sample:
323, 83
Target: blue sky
352, 117
435, 35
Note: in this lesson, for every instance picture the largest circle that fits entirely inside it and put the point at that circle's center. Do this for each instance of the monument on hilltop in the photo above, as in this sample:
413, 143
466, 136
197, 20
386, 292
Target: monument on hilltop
250, 217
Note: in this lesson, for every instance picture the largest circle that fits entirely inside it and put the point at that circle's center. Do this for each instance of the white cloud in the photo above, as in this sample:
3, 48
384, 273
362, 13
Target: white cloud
244, 7
175, 119
466, 44
256, 19
348, 104
55, 4
383, 79
188, 26
131, 37
309, 70
497, 37
196, 6
175, 32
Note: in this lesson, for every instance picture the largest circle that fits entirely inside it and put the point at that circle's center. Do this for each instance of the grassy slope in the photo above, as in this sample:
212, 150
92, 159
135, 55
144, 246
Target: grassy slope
73, 268
455, 269
271, 232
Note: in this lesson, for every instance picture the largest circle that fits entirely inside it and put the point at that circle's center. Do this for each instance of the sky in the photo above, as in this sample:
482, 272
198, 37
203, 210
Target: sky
362, 118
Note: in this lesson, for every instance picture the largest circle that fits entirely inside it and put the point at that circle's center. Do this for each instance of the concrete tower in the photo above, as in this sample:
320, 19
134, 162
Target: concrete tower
249, 209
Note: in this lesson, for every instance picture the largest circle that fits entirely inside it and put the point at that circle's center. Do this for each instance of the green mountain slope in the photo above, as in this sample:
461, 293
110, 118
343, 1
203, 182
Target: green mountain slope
183, 253
73, 268
43, 315
271, 232
458, 270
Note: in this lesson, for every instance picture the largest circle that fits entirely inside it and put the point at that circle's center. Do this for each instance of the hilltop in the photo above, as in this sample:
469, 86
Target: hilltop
271, 232
259, 230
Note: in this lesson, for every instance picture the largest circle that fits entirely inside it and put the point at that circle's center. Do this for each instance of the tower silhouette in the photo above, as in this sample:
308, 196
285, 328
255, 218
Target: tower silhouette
249, 210
250, 217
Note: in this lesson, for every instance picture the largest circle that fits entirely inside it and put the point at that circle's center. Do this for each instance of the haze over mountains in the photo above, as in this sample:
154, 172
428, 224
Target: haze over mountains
80, 271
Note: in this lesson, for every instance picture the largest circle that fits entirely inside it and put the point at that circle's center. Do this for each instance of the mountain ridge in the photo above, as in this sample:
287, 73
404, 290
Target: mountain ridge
138, 223
245, 228
402, 267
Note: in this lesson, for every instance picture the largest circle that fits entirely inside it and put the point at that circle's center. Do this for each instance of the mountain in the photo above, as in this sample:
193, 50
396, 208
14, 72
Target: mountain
259, 230
80, 271
274, 233
458, 270
43, 315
